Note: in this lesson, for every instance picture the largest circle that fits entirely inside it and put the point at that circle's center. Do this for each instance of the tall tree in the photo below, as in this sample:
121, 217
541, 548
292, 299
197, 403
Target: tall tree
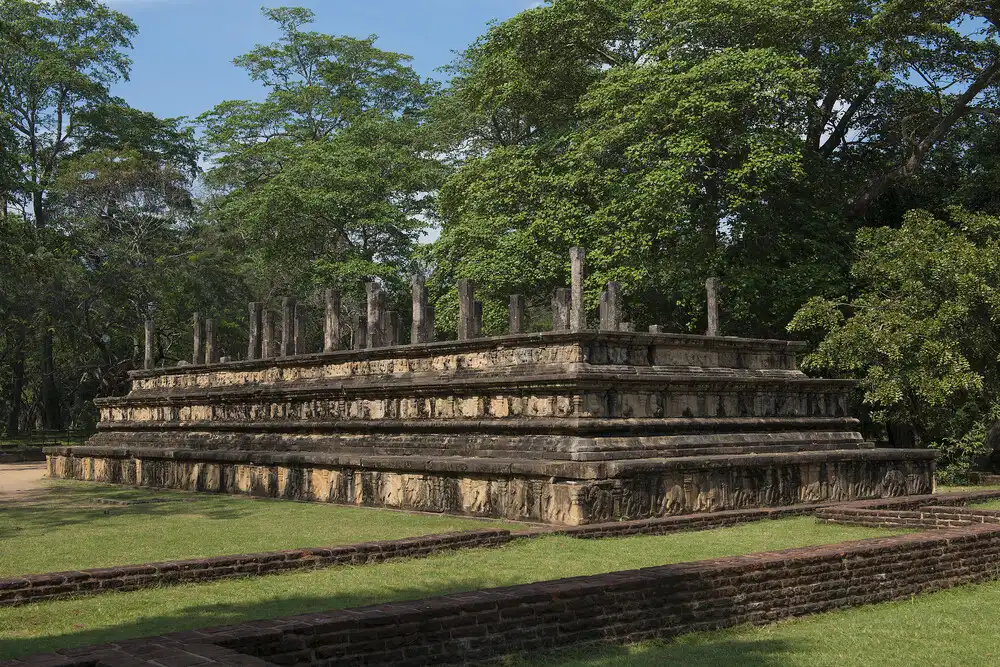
67, 54
678, 139
58, 71
63, 125
323, 181
919, 331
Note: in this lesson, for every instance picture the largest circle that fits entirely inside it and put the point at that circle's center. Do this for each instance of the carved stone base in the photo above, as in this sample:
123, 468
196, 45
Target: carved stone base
520, 490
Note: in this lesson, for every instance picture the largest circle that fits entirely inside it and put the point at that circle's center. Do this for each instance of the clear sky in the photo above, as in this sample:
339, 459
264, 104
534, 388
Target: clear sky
184, 51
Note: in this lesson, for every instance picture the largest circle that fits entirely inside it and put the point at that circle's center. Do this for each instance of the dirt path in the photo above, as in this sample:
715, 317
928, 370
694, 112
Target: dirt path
21, 479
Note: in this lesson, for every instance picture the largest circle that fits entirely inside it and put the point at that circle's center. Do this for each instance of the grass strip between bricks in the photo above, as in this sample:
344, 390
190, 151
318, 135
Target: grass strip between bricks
952, 628
988, 505
92, 620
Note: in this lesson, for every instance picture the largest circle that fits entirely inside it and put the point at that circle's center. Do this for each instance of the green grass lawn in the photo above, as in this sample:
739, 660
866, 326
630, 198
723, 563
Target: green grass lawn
90, 620
957, 627
988, 505
64, 528
964, 489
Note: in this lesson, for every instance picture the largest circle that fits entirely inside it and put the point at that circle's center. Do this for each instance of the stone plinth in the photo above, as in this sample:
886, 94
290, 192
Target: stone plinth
567, 427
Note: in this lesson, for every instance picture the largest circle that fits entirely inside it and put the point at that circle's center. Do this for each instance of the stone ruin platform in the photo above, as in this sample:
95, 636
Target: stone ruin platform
560, 427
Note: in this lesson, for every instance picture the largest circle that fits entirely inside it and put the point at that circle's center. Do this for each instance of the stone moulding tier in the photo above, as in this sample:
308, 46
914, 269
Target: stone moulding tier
567, 427
560, 492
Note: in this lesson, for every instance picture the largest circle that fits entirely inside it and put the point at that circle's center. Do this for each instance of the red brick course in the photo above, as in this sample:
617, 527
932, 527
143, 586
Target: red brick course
54, 585
684, 522
928, 517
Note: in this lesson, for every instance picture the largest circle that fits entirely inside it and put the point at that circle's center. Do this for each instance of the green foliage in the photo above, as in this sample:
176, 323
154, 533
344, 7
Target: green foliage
920, 330
678, 140
322, 183
95, 206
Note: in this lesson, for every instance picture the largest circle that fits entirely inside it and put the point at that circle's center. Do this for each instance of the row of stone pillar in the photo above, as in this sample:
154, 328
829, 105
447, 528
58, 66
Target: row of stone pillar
569, 311
383, 328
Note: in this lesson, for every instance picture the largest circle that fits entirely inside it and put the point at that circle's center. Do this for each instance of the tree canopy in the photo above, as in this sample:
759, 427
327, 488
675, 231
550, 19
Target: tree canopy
833, 163
677, 140
322, 183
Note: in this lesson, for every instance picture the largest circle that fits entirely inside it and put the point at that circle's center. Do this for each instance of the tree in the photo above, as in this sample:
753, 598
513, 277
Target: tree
73, 157
322, 183
69, 53
678, 140
919, 330
66, 55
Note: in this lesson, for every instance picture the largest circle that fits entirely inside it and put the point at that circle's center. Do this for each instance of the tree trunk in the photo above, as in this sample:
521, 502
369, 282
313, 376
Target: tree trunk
51, 412
17, 385
38, 209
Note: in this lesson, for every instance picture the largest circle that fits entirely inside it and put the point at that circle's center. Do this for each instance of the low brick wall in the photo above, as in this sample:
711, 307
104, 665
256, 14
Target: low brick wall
925, 518
618, 607
954, 499
924, 512
53, 585
21, 455
682, 523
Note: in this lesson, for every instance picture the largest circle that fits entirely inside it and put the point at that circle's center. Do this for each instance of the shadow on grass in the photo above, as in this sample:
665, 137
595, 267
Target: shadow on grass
724, 651
62, 505
196, 616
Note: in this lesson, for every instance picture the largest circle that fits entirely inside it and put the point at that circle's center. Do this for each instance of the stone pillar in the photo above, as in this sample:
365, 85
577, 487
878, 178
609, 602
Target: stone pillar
300, 330
712, 289
376, 323
150, 351
267, 346
477, 319
578, 311
611, 307
515, 313
420, 298
360, 333
254, 347
196, 354
655, 329
287, 327
466, 309
429, 323
331, 324
211, 341
391, 328
561, 307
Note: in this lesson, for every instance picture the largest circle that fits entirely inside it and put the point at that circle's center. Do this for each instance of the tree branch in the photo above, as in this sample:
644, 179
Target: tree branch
875, 188
844, 122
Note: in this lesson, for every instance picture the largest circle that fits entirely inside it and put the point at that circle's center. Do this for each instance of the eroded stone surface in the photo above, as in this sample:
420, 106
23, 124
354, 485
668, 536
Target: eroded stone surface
568, 428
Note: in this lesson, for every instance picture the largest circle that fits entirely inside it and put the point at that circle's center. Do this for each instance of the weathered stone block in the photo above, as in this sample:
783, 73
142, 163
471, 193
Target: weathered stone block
569, 427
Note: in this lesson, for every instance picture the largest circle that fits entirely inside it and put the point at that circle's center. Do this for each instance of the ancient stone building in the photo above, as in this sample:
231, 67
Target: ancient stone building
569, 427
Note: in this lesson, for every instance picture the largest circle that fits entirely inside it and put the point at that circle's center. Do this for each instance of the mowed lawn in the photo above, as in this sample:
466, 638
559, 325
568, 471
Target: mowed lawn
952, 628
64, 527
91, 620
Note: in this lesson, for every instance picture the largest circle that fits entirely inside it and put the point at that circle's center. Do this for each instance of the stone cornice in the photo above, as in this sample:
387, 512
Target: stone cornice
418, 386
536, 425
423, 350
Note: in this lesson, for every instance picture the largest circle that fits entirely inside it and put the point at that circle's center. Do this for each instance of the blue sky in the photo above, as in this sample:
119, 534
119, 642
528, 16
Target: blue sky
184, 51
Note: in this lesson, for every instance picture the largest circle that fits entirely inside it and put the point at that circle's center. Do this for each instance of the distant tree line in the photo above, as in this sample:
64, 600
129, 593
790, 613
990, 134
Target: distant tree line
834, 164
